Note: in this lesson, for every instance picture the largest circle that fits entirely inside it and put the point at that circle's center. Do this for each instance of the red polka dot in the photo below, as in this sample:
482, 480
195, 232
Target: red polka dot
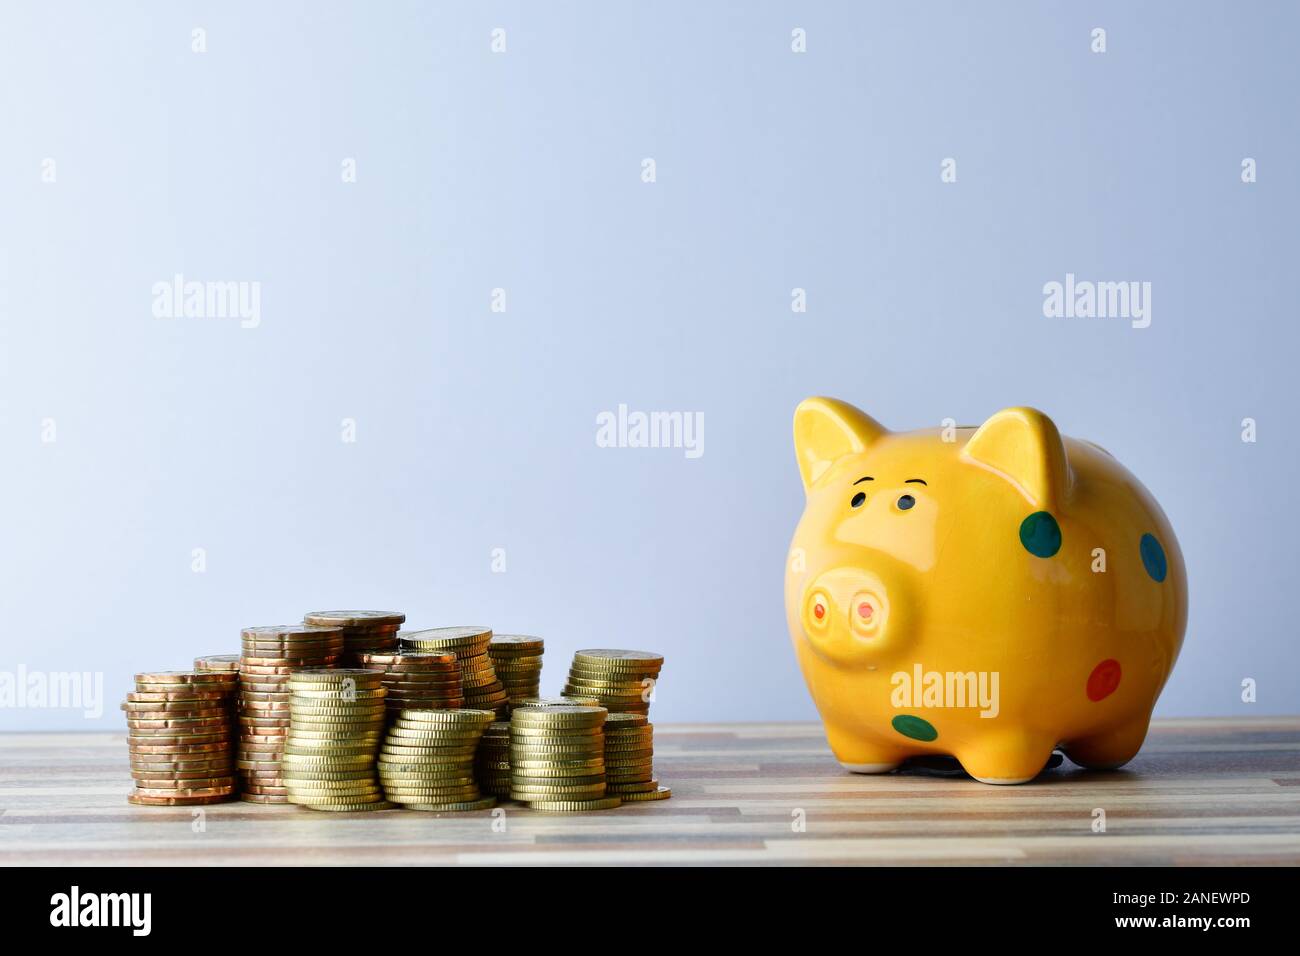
818, 611
1103, 680
864, 609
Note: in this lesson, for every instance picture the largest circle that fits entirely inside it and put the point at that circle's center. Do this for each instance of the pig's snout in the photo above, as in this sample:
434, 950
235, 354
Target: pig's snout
846, 614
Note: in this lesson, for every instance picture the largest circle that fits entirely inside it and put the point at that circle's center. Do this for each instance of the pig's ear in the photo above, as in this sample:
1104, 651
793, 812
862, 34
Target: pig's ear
825, 430
1024, 447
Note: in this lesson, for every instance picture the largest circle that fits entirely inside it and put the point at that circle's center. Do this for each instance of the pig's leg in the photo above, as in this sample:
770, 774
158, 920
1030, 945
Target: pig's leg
1006, 757
1110, 750
862, 756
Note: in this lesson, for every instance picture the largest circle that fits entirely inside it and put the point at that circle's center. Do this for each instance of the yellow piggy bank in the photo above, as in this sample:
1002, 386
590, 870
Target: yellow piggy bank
989, 593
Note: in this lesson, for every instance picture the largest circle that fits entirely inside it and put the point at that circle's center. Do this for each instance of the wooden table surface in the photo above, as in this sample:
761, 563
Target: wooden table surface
1212, 791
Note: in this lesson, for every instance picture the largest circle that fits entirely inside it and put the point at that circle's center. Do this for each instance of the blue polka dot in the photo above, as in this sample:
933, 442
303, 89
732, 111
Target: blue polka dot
1040, 534
1153, 557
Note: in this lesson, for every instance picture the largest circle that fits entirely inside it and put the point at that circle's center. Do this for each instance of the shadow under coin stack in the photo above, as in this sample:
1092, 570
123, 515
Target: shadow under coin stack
336, 726
218, 663
427, 761
180, 734
623, 681
482, 689
417, 680
270, 655
557, 757
629, 759
517, 661
492, 762
362, 631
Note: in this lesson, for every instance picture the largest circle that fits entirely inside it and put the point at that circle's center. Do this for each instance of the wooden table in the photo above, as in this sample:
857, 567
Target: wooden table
1213, 791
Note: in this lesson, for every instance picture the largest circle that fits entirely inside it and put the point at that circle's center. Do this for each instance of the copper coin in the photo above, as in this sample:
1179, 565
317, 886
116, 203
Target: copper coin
176, 801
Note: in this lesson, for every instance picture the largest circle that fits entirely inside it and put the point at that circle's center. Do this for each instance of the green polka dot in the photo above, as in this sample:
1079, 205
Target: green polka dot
1153, 557
1040, 534
914, 727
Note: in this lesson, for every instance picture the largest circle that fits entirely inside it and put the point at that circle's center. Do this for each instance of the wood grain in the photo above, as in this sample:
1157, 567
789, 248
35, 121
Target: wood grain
1212, 791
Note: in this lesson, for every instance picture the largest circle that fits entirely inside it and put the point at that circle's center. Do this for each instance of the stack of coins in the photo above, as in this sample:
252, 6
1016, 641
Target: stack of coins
629, 758
427, 760
218, 663
362, 631
336, 726
492, 762
517, 660
417, 680
270, 655
623, 681
181, 737
557, 757
483, 691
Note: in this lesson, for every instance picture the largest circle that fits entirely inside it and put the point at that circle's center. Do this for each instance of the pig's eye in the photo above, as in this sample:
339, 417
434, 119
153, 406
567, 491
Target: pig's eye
906, 502
858, 499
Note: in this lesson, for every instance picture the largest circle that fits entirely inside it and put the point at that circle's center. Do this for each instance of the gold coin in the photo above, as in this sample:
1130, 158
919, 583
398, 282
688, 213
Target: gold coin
529, 794
528, 780
360, 801
340, 776
439, 637
467, 716
329, 788
431, 788
566, 736
391, 771
660, 793
516, 643
324, 694
603, 690
574, 806
621, 762
618, 657
532, 714
481, 804
291, 761
523, 756
334, 675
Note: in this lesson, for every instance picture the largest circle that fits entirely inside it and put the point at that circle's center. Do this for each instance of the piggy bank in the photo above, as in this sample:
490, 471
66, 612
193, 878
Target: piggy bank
987, 593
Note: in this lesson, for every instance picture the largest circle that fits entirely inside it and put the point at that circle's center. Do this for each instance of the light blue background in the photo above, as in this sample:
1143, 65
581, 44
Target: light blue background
476, 430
